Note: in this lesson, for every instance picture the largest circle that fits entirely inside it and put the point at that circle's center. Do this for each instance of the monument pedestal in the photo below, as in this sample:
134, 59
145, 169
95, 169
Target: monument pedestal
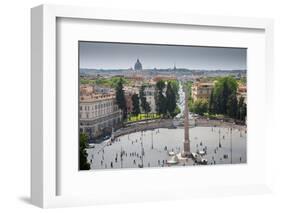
186, 150
185, 154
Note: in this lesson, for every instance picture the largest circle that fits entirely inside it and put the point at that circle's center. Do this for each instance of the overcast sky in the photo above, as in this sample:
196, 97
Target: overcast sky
98, 55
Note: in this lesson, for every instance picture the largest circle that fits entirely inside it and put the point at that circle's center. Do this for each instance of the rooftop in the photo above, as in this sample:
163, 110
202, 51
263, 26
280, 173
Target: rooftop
95, 97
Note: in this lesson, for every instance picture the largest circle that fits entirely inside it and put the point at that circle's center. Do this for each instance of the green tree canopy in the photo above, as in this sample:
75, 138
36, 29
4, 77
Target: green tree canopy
120, 97
83, 162
160, 85
175, 86
200, 106
225, 88
171, 100
144, 104
242, 109
232, 106
136, 104
160, 99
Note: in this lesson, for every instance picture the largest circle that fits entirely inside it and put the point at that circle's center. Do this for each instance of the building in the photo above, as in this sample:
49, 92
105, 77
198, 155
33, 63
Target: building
149, 93
201, 90
242, 92
99, 112
136, 77
138, 66
86, 89
164, 78
129, 92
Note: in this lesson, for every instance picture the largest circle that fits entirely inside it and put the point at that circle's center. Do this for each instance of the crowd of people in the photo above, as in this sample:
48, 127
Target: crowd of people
145, 143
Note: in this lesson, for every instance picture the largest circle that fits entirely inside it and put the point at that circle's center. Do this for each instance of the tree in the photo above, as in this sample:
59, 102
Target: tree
141, 92
160, 99
232, 106
144, 104
189, 89
211, 103
160, 85
240, 104
177, 110
171, 100
136, 104
175, 86
200, 106
83, 155
224, 89
242, 109
224, 97
243, 112
120, 97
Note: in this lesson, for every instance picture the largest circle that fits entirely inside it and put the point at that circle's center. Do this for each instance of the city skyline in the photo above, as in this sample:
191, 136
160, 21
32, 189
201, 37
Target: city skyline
103, 55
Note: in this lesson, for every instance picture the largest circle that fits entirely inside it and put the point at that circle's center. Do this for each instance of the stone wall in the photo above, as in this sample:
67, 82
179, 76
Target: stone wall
143, 126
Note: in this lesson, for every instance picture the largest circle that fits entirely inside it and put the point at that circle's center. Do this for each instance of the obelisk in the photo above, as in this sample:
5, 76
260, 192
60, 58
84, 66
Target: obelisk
186, 144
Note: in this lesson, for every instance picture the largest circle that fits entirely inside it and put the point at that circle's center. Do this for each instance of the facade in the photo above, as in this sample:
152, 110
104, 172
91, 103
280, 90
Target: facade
149, 93
129, 92
164, 78
201, 90
242, 92
99, 112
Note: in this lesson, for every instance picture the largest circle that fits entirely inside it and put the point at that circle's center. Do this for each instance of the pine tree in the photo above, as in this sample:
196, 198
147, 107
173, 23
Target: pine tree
136, 104
243, 112
232, 106
146, 106
142, 97
211, 103
171, 100
160, 99
120, 98
240, 106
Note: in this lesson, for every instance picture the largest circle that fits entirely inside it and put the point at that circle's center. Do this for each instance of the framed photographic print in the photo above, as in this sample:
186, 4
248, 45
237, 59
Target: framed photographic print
149, 106
147, 115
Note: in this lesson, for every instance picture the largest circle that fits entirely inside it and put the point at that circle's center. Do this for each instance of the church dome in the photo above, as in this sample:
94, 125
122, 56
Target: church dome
138, 65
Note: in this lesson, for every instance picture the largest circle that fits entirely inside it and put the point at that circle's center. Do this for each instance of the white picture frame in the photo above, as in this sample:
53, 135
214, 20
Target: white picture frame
44, 88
